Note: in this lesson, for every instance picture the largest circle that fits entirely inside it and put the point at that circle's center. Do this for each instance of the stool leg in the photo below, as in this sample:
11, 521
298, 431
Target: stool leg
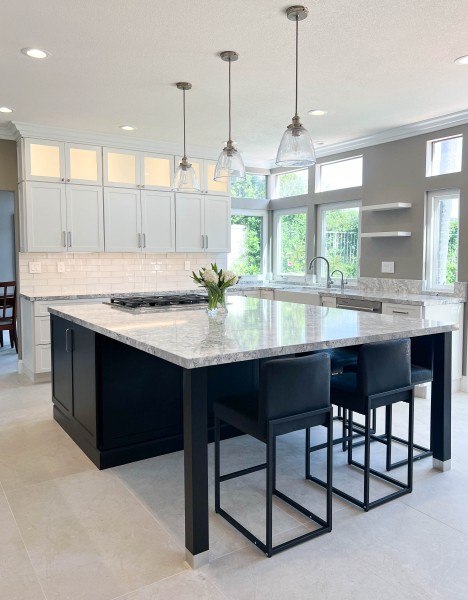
270, 450
367, 462
343, 443
410, 440
374, 420
307, 453
350, 433
330, 471
217, 465
388, 435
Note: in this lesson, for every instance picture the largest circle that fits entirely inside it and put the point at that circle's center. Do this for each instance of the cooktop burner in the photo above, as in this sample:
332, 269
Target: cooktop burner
168, 301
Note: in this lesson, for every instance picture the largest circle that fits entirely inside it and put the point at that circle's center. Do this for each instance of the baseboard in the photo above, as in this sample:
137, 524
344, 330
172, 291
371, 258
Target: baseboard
35, 377
456, 385
20, 366
464, 384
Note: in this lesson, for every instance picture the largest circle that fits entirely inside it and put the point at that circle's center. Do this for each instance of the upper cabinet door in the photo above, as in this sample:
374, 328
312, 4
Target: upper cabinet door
220, 188
122, 220
190, 227
46, 218
121, 168
157, 221
217, 224
83, 164
85, 218
44, 160
157, 171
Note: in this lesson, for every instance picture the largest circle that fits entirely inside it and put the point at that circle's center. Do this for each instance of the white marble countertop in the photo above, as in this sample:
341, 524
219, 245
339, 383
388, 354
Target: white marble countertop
253, 328
400, 298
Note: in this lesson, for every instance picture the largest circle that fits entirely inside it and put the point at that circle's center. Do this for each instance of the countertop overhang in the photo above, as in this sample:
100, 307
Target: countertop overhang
252, 329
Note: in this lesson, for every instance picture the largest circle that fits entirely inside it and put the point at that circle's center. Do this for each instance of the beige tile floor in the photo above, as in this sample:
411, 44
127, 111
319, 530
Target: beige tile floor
71, 532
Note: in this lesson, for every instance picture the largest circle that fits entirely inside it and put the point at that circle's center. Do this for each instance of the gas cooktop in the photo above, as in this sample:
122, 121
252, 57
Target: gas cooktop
138, 304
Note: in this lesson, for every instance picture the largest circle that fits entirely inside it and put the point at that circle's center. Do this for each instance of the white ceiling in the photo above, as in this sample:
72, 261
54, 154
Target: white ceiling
373, 64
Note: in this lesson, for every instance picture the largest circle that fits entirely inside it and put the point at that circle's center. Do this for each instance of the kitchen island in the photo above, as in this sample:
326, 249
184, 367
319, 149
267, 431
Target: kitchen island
186, 360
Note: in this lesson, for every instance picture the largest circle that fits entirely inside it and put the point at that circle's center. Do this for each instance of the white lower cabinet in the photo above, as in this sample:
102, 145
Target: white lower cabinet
139, 221
328, 301
404, 310
59, 217
35, 335
267, 294
203, 223
298, 297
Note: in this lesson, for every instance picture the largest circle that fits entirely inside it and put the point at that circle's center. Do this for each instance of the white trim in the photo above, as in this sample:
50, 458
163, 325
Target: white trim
8, 132
464, 384
128, 142
252, 212
318, 173
430, 154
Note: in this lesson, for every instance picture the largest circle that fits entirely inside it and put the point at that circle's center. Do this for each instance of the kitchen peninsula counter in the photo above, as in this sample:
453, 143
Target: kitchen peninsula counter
129, 386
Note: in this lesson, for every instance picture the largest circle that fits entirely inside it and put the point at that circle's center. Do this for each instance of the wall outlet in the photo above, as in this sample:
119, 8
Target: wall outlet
388, 267
187, 265
35, 267
60, 267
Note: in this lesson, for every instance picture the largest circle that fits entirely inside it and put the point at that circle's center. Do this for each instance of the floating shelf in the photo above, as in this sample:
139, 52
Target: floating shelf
390, 206
383, 234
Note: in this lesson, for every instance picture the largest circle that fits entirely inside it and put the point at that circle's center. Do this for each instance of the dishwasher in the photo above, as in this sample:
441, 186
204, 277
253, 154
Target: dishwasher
361, 305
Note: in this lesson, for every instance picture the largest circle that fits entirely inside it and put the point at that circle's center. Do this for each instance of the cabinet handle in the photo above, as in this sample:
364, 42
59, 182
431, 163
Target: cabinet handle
206, 242
138, 185
142, 186
139, 240
64, 238
69, 340
202, 241
68, 181
69, 239
399, 312
144, 240
63, 179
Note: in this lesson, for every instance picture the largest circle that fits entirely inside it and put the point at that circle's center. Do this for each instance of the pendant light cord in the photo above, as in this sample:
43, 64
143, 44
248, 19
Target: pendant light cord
297, 56
183, 102
230, 100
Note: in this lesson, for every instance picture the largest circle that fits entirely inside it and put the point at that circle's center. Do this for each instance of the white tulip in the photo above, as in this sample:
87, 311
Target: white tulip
210, 276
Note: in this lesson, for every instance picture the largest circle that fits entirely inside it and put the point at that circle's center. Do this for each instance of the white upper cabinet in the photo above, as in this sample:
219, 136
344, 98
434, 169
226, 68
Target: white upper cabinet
203, 223
60, 162
204, 170
132, 169
157, 221
122, 220
85, 218
61, 218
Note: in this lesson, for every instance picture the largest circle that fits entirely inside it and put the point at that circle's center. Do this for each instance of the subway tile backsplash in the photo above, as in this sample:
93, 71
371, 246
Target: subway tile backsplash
93, 273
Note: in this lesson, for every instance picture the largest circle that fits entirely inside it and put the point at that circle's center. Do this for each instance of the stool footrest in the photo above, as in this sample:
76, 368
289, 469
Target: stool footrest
242, 472
380, 475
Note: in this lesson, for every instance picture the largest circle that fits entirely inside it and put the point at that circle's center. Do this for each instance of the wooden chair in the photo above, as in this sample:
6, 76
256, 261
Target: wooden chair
8, 312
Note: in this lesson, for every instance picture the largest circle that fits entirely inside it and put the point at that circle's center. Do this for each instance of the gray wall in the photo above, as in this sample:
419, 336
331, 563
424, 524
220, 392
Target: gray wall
7, 236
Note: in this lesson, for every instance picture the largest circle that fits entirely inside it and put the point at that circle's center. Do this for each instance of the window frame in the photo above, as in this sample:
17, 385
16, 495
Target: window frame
430, 154
276, 246
321, 209
276, 186
429, 264
256, 212
318, 173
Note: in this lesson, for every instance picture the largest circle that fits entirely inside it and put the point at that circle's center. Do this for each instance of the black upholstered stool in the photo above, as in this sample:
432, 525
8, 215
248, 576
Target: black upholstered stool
382, 377
294, 394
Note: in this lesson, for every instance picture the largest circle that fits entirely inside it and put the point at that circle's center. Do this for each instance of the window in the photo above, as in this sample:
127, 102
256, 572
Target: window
253, 186
290, 229
248, 242
338, 237
293, 183
339, 174
444, 156
442, 238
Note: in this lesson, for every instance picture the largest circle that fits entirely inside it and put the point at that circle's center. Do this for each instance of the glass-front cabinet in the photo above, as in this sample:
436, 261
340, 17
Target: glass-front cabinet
133, 169
60, 162
205, 170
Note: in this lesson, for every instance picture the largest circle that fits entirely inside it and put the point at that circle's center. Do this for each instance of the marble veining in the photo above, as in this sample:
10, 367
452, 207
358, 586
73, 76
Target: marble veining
252, 328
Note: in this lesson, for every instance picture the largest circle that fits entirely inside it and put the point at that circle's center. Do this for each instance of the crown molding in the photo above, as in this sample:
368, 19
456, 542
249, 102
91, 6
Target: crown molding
124, 141
8, 131
396, 133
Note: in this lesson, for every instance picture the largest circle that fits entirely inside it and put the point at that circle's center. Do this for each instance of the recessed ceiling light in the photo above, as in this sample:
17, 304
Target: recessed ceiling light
317, 112
461, 60
127, 127
35, 52
5, 109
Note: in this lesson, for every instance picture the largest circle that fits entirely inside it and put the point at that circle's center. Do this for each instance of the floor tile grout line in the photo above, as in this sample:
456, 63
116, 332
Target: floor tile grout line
422, 512
24, 543
30, 485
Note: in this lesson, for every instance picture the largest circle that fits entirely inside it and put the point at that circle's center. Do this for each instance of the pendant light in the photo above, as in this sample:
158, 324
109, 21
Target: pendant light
185, 179
230, 165
296, 148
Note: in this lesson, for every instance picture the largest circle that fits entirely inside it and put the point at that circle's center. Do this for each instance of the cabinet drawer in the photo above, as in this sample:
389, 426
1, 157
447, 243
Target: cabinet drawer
329, 301
267, 294
42, 330
402, 310
43, 359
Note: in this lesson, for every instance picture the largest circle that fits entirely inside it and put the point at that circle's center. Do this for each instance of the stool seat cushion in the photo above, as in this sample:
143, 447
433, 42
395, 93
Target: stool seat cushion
420, 374
241, 412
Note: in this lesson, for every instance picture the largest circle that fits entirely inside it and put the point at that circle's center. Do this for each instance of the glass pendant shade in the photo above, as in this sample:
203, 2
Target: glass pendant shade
230, 165
296, 148
185, 179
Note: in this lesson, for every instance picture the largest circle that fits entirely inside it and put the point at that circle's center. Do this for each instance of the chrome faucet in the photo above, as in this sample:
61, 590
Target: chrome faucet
329, 281
343, 282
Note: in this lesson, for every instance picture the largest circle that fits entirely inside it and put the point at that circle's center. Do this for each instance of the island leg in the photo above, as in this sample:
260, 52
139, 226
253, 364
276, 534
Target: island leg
196, 467
441, 402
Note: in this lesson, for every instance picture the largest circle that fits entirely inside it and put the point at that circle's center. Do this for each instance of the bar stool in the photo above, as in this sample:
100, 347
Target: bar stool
382, 378
294, 394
